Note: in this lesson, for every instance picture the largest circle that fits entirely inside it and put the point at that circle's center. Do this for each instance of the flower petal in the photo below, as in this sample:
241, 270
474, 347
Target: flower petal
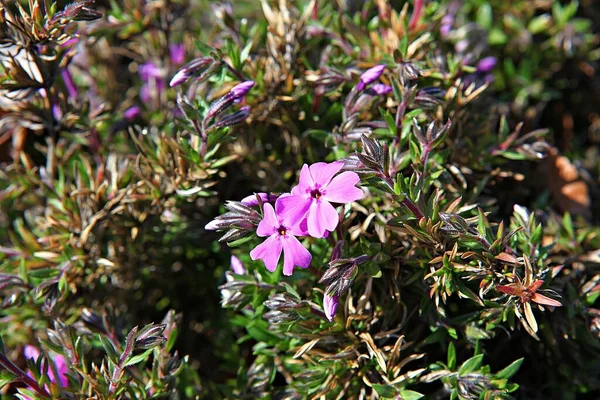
305, 183
342, 188
237, 266
292, 209
294, 254
322, 217
62, 369
31, 352
269, 251
322, 172
269, 223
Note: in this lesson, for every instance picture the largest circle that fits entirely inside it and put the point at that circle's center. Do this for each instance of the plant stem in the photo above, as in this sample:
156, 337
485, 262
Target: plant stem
408, 203
22, 376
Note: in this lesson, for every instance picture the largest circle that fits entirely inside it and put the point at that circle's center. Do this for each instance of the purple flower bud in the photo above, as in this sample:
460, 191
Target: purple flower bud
198, 67
330, 305
370, 76
251, 201
446, 27
240, 90
56, 112
381, 89
236, 266
487, 64
149, 70
177, 53
181, 76
132, 113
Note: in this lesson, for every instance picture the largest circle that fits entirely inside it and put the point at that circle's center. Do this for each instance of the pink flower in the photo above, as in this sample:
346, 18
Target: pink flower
311, 199
281, 237
330, 305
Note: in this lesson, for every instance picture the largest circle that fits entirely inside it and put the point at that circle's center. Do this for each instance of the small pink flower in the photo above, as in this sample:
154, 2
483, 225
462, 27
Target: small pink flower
281, 237
311, 199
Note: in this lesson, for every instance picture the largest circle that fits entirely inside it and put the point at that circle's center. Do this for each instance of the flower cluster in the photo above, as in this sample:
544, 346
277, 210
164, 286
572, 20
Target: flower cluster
308, 210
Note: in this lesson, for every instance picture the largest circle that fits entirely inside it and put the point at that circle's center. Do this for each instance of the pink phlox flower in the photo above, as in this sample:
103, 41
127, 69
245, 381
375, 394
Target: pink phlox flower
311, 199
281, 236
60, 366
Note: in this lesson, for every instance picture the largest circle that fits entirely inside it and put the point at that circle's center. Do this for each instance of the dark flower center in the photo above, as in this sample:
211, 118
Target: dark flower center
315, 193
282, 230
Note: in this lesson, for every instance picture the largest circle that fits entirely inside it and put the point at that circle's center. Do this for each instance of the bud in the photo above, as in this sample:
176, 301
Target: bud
485, 65
150, 336
409, 72
240, 90
380, 89
330, 305
236, 266
132, 113
199, 67
370, 76
233, 119
281, 302
252, 201
278, 317
79, 11
240, 220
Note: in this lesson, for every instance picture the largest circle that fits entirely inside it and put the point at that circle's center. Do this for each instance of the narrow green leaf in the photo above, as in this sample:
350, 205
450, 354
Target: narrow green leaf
137, 359
510, 370
410, 395
451, 356
385, 391
472, 364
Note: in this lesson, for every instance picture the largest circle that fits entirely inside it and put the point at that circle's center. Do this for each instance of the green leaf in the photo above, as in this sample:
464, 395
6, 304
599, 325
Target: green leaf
484, 16
568, 224
510, 370
137, 359
6, 378
109, 349
385, 390
472, 364
539, 24
410, 395
403, 46
390, 120
451, 356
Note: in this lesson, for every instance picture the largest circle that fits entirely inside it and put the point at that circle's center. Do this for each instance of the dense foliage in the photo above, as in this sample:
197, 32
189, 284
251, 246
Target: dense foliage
430, 169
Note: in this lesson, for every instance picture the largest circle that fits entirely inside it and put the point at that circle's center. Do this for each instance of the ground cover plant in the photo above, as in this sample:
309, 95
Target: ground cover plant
299, 199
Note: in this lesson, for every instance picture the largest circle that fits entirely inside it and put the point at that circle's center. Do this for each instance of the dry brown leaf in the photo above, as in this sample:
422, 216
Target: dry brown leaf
568, 189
